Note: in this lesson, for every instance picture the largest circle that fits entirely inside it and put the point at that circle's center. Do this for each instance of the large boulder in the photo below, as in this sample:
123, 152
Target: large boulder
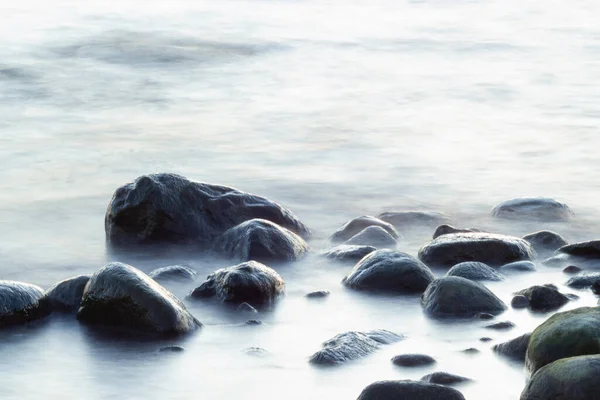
358, 224
169, 208
408, 390
121, 296
352, 345
475, 271
574, 378
515, 349
447, 229
259, 239
453, 296
372, 236
345, 252
536, 208
590, 249
250, 282
389, 271
544, 297
584, 281
566, 334
66, 295
22, 302
448, 250
408, 219
173, 273
545, 241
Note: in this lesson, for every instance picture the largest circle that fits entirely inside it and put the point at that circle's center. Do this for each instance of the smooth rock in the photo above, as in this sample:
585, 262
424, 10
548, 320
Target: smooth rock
245, 307
358, 224
545, 241
485, 339
318, 294
21, 303
572, 269
544, 298
484, 315
444, 378
535, 208
475, 271
471, 350
349, 253
519, 301
518, 266
171, 349
589, 249
515, 348
584, 281
557, 260
448, 229
501, 326
66, 295
408, 390
413, 360
407, 219
174, 273
253, 322
374, 236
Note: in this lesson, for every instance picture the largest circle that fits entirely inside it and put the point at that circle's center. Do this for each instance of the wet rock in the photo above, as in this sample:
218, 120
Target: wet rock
169, 208
518, 266
451, 249
444, 378
349, 253
471, 350
545, 241
413, 360
318, 294
408, 219
358, 224
557, 260
374, 236
246, 282
573, 378
566, 334
173, 273
257, 352
408, 390
66, 295
519, 301
596, 287
259, 239
535, 208
253, 322
352, 345
590, 249
389, 271
515, 348
459, 297
544, 298
171, 349
501, 326
121, 296
572, 269
485, 339
448, 229
21, 303
475, 271
484, 315
245, 307
584, 281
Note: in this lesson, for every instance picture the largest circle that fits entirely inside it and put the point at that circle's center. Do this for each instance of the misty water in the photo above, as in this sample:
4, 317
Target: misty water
334, 109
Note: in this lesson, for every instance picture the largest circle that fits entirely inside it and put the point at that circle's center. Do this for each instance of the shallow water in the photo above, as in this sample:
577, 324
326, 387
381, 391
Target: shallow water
333, 108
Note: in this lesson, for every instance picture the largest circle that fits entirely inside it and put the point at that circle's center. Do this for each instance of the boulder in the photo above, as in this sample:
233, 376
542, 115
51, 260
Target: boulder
66, 295
444, 378
534, 208
169, 208
545, 241
358, 224
584, 281
413, 360
121, 296
519, 301
453, 296
250, 282
349, 253
173, 272
475, 271
352, 345
589, 249
544, 298
515, 348
372, 236
566, 334
447, 229
259, 239
408, 390
518, 266
21, 303
408, 219
389, 271
451, 249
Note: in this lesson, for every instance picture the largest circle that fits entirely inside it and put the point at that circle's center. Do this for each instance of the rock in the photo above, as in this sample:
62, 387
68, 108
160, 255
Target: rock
351, 253
535, 208
21, 303
475, 271
352, 345
485, 339
408, 219
318, 294
171, 349
573, 378
389, 271
596, 287
518, 266
66, 295
121, 296
444, 378
557, 260
257, 352
459, 297
519, 301
545, 241
408, 390
584, 281
253, 322
590, 249
448, 229
544, 298
515, 348
572, 269
169, 208
173, 272
484, 316
245, 307
471, 350
372, 236
501, 325
358, 224
566, 334
250, 282
451, 249
413, 360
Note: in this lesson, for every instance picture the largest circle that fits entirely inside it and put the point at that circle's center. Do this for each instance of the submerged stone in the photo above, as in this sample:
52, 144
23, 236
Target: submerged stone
447, 229
358, 224
173, 272
444, 378
413, 360
536, 208
518, 266
544, 298
408, 219
374, 236
515, 348
21, 303
589, 249
318, 294
545, 241
349, 253
584, 281
66, 295
475, 271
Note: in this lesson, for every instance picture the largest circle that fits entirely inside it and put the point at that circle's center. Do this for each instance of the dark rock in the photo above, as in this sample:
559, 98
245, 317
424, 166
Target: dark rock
259, 239
557, 260
545, 241
246, 282
253, 322
475, 271
566, 334
544, 298
66, 295
536, 208
413, 360
451, 249
168, 208
590, 249
519, 301
518, 266
22, 303
408, 390
572, 269
352, 253
389, 271
459, 297
120, 296
358, 224
573, 378
596, 287
444, 378
504, 325
485, 339
352, 345
257, 352
245, 307
318, 294
171, 349
515, 348
584, 281
448, 229
471, 350
372, 236
173, 272
484, 315
408, 219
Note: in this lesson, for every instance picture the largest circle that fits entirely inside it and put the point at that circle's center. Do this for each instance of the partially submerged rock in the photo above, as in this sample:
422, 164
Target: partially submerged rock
21, 303
448, 229
536, 208
408, 390
444, 378
413, 360
374, 236
475, 271
318, 294
544, 297
519, 301
515, 348
572, 269
518, 266
174, 273
589, 249
500, 326
171, 349
245, 307
584, 281
345, 252
358, 224
66, 295
545, 241
408, 219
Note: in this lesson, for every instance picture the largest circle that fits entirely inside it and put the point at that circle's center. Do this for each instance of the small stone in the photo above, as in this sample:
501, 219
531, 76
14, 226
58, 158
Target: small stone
501, 325
572, 269
253, 322
471, 350
486, 339
171, 349
519, 301
245, 307
484, 316
413, 360
318, 294
444, 378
